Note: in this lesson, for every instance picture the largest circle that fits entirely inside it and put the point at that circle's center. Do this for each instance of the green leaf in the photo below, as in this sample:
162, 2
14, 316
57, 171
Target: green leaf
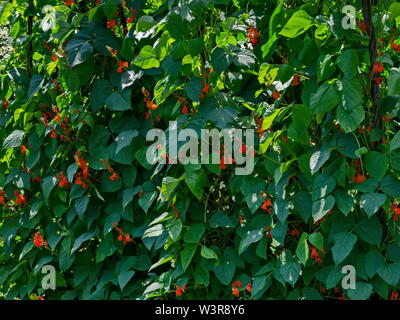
78, 51
119, 101
376, 164
348, 63
318, 159
128, 194
175, 230
249, 238
394, 83
194, 233
145, 23
395, 143
196, 181
390, 273
303, 204
326, 98
371, 202
147, 200
125, 138
323, 185
35, 84
298, 23
374, 260
124, 278
193, 88
370, 230
344, 201
316, 240
290, 272
176, 26
147, 58
81, 239
344, 243
48, 184
259, 286
187, 254
225, 270
321, 207
104, 250
220, 60
302, 250
221, 220
14, 139
362, 291
81, 205
390, 186
207, 253
351, 120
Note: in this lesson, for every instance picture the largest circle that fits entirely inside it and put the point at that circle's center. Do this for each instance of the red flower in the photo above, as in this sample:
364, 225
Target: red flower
38, 240
276, 95
267, 204
295, 81
54, 58
179, 290
359, 178
185, 109
111, 24
235, 292
378, 67
114, 176
237, 283
23, 149
53, 134
122, 65
315, 255
69, 2
248, 287
5, 103
19, 198
394, 296
63, 181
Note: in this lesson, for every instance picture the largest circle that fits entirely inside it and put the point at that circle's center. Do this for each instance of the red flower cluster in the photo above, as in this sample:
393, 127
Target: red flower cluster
147, 100
111, 24
114, 176
19, 198
204, 90
62, 180
176, 212
394, 46
315, 255
69, 2
3, 200
122, 65
84, 171
235, 290
5, 103
124, 237
253, 35
359, 177
23, 149
276, 95
378, 67
38, 240
182, 100
396, 211
267, 204
295, 81
179, 290
394, 296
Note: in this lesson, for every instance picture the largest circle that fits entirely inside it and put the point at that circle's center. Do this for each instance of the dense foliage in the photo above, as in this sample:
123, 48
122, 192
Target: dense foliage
85, 82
